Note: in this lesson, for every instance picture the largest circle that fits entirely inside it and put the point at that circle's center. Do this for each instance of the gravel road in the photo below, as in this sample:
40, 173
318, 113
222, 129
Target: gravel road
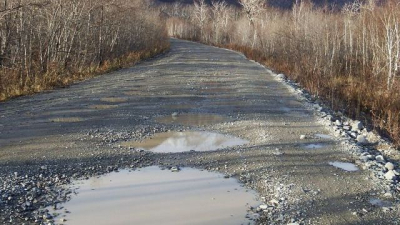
48, 139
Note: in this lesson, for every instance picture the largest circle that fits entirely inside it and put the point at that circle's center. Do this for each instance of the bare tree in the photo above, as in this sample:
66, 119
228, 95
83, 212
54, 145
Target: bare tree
252, 9
200, 15
220, 19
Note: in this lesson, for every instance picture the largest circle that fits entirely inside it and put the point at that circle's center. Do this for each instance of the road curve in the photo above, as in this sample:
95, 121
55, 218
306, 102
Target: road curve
84, 124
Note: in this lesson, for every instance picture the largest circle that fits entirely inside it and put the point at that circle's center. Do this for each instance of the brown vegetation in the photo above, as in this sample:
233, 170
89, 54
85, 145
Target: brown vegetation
53, 43
351, 58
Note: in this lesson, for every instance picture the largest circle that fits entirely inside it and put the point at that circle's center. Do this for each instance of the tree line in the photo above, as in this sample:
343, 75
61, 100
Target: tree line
46, 43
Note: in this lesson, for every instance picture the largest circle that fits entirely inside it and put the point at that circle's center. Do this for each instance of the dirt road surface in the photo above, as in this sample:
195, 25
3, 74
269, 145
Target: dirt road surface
80, 131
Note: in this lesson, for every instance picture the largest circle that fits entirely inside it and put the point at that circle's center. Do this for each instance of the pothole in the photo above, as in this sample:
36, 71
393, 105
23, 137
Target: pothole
350, 167
192, 119
314, 146
323, 136
154, 196
380, 203
170, 142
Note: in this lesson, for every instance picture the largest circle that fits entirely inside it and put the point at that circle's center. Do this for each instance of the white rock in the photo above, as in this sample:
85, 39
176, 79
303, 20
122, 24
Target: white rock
274, 202
390, 175
263, 207
174, 114
389, 166
43, 167
302, 137
357, 125
175, 169
338, 123
281, 76
362, 139
380, 159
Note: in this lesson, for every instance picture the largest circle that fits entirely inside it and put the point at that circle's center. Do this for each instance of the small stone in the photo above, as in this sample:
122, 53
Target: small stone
380, 159
274, 202
338, 123
390, 175
385, 209
43, 167
389, 166
357, 125
361, 139
302, 137
175, 114
388, 195
281, 76
175, 169
263, 207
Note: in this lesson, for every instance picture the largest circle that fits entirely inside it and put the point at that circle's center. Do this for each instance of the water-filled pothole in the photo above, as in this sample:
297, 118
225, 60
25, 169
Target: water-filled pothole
350, 167
314, 146
186, 141
154, 196
324, 136
192, 119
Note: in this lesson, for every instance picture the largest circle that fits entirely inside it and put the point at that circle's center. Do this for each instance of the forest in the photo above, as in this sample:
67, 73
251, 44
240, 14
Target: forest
46, 44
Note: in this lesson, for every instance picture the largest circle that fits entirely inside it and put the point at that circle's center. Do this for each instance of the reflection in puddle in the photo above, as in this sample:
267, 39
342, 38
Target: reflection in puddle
192, 119
323, 136
380, 203
314, 146
154, 196
186, 141
350, 167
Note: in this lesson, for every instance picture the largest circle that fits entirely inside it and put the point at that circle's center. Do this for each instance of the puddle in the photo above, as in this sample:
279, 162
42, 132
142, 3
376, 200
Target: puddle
113, 100
350, 167
323, 136
186, 141
154, 196
379, 203
314, 146
103, 106
192, 119
66, 119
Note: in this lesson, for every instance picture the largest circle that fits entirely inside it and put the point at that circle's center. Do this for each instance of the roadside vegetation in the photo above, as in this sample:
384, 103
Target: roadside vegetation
45, 44
349, 57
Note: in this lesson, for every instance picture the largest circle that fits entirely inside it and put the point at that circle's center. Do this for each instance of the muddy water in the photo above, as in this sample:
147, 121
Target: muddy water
186, 141
154, 196
192, 119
